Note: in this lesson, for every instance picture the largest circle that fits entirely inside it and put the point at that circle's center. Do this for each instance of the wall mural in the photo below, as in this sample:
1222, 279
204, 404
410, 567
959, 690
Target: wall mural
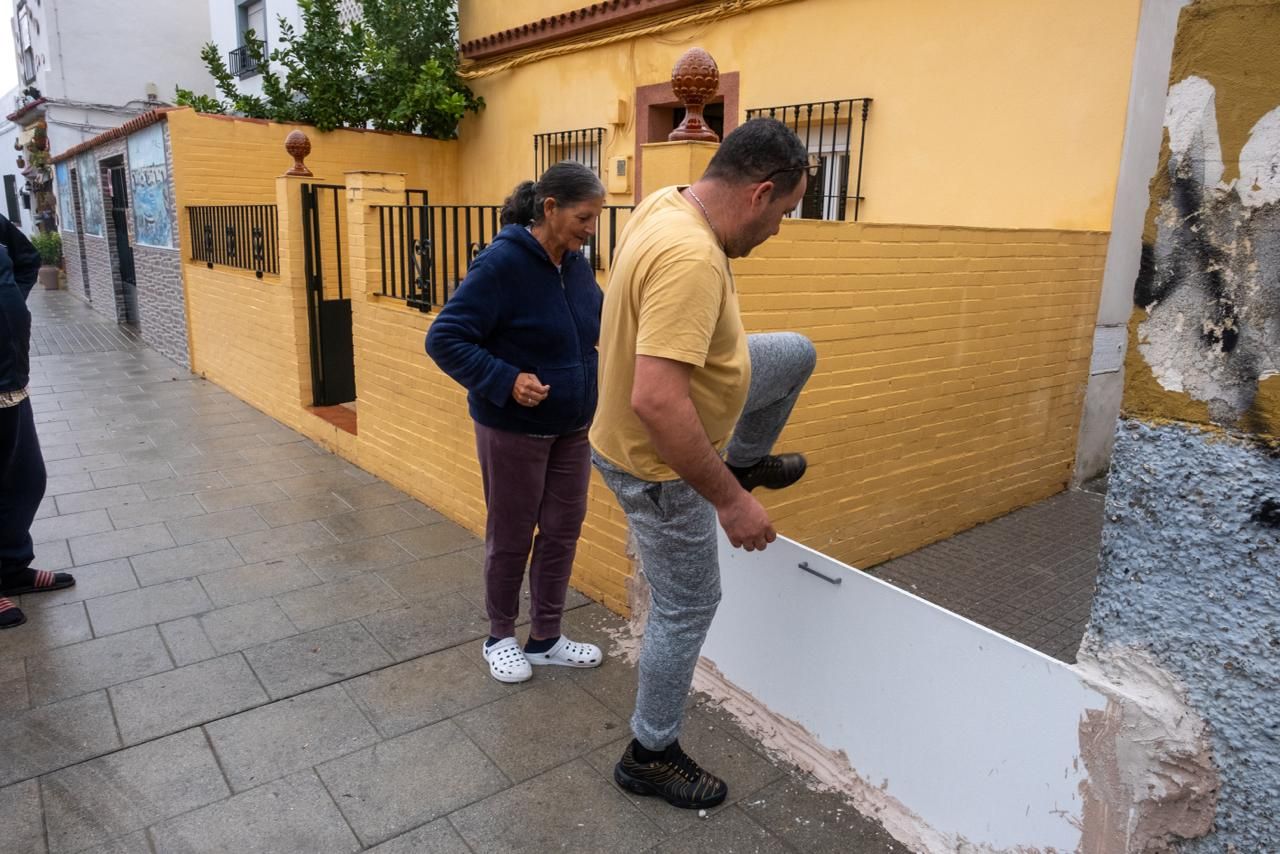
149, 177
66, 209
91, 211
1210, 280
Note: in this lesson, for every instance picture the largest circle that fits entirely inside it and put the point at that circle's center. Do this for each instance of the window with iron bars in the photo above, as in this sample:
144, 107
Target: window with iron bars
835, 133
585, 146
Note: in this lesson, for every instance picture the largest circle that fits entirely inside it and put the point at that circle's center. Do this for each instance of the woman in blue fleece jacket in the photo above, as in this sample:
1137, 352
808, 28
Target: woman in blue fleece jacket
520, 335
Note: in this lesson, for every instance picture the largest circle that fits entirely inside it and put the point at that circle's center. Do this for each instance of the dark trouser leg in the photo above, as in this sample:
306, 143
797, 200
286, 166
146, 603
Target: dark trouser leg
514, 470
564, 506
22, 483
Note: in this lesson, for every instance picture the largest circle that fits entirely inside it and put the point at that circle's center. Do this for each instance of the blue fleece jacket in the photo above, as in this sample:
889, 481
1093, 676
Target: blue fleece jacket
516, 312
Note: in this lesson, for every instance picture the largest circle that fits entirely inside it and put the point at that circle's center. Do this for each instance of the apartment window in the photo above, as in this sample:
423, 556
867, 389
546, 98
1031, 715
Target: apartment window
581, 146
834, 132
252, 18
22, 40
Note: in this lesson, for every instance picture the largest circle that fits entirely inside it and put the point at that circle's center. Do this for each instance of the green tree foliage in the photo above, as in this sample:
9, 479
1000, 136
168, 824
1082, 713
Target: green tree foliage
395, 69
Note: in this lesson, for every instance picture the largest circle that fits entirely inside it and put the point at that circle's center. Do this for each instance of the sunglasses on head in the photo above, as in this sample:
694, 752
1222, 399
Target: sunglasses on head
812, 167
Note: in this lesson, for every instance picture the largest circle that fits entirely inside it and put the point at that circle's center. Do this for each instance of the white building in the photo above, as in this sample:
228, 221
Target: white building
230, 21
16, 201
87, 66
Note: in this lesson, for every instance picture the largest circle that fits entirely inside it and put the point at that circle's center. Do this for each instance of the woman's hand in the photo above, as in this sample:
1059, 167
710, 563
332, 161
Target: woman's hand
529, 391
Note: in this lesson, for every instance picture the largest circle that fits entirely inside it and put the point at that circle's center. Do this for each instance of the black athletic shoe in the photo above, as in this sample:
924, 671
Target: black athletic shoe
773, 472
675, 778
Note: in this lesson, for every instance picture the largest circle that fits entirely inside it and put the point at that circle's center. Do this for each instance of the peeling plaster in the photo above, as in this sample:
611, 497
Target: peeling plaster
1151, 778
1211, 282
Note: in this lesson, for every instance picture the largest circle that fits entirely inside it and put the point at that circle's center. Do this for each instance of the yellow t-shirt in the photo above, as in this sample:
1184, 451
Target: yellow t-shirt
670, 294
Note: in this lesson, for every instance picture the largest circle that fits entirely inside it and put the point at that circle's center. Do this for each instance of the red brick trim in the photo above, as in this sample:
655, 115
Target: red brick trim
660, 97
25, 108
597, 16
134, 124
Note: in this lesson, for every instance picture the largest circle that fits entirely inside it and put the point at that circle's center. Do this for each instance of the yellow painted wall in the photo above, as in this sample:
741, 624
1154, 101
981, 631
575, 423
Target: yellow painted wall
1005, 114
246, 334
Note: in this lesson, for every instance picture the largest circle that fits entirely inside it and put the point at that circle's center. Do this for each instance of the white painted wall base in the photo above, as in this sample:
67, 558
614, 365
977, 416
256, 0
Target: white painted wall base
956, 737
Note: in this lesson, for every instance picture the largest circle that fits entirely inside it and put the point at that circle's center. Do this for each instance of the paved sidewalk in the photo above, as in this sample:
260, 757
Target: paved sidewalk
270, 650
1028, 575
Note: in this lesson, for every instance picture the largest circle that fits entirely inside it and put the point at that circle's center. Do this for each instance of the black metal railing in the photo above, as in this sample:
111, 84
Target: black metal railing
827, 129
243, 236
426, 250
241, 63
585, 146
608, 227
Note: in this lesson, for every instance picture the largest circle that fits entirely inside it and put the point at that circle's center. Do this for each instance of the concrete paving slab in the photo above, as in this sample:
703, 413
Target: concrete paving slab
94, 664
565, 809
185, 562
159, 603
394, 786
126, 791
46, 738
294, 814
321, 657
186, 697
287, 736
256, 581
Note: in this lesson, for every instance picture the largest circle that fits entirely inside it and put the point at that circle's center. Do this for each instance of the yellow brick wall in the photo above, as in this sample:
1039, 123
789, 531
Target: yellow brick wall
952, 363
952, 366
246, 334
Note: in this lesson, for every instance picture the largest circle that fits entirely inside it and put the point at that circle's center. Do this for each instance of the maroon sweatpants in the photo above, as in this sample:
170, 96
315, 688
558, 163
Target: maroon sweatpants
531, 483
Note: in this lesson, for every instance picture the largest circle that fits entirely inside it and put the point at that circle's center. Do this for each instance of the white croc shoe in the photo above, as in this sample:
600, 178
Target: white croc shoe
507, 662
568, 653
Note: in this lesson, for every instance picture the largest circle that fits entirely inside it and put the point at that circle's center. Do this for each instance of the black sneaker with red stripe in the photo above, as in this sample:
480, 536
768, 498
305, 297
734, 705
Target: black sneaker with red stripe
674, 777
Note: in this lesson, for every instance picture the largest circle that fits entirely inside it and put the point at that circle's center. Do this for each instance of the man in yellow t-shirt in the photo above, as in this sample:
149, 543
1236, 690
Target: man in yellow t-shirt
681, 384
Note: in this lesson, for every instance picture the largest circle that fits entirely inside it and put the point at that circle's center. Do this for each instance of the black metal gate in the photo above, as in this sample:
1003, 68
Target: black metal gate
333, 371
124, 252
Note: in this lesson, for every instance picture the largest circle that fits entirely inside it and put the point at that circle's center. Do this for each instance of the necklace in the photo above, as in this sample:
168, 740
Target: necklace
706, 216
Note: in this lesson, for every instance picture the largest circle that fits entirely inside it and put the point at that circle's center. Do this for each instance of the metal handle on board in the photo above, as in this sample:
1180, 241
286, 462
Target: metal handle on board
827, 578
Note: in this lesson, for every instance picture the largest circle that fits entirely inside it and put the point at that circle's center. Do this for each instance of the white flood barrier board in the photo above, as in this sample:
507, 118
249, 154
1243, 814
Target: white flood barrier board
973, 732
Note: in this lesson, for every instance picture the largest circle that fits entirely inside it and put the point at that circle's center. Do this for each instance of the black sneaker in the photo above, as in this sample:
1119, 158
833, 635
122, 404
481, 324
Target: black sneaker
773, 472
675, 777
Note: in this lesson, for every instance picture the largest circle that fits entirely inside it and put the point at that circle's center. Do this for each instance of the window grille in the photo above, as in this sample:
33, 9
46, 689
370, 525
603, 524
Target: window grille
585, 146
835, 133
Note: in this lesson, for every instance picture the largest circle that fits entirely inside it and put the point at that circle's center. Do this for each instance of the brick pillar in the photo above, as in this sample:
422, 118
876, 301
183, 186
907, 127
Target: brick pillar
668, 163
365, 189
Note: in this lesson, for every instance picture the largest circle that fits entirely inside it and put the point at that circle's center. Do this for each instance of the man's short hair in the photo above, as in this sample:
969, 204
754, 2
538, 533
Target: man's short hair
754, 150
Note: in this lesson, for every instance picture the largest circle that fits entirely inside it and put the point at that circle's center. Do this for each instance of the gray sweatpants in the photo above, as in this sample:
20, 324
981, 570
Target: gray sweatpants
675, 532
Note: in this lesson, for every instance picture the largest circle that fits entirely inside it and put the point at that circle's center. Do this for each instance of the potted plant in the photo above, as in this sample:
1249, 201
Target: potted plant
49, 245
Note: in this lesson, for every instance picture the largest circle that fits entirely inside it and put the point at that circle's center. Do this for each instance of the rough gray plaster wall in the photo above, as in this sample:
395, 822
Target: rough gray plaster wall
1190, 569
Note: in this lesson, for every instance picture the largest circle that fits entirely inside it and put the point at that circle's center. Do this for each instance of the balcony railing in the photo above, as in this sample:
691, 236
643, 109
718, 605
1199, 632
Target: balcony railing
241, 63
